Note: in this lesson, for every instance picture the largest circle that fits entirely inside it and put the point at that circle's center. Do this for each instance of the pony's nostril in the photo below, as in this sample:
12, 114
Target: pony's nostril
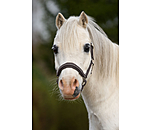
61, 86
75, 83
61, 82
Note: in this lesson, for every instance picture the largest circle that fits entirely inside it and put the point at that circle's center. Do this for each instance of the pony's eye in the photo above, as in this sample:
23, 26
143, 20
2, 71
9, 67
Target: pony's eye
86, 47
55, 49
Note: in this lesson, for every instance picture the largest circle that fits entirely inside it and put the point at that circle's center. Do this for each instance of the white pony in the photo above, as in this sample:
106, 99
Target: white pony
80, 43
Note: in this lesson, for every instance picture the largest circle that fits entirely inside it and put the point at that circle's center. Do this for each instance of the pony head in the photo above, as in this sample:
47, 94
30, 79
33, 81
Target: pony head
72, 46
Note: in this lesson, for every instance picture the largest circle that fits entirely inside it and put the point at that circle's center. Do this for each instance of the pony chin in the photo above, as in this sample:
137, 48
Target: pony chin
71, 98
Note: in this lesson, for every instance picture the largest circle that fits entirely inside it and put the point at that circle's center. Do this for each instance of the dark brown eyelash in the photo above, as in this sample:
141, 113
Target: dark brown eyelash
55, 49
86, 47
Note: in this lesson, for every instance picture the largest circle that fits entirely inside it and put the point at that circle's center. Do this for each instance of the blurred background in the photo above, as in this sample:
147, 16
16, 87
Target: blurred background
50, 112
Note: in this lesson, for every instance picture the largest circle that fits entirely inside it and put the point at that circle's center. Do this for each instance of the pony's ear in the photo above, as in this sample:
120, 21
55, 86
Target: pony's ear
59, 20
83, 20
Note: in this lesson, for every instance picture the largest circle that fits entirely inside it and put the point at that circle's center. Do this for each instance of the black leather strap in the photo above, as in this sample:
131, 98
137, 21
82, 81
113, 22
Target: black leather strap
73, 66
92, 56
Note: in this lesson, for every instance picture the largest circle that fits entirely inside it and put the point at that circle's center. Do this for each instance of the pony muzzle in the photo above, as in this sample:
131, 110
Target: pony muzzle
69, 88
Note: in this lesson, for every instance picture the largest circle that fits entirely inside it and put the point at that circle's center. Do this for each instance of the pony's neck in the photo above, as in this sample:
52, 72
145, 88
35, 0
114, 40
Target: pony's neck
104, 81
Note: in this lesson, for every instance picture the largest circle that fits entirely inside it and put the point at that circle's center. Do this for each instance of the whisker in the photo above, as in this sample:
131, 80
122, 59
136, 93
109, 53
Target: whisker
80, 100
53, 86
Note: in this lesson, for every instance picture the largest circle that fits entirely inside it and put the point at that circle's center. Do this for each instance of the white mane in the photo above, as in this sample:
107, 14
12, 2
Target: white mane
68, 34
106, 52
